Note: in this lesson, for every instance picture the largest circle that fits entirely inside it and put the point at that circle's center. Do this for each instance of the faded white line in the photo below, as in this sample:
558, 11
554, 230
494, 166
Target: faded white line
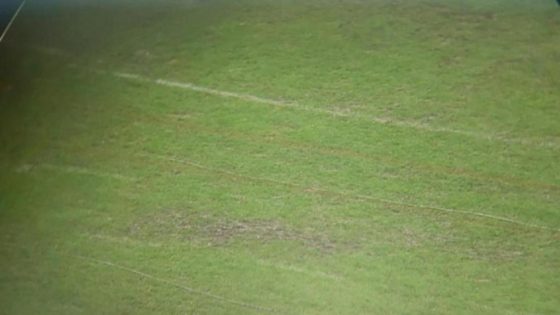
50, 51
72, 169
293, 268
473, 213
171, 283
125, 240
298, 106
143, 243
196, 88
295, 105
347, 194
12, 21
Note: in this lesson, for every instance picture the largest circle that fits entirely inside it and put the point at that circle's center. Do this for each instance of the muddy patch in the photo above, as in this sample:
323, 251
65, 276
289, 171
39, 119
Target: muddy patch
209, 230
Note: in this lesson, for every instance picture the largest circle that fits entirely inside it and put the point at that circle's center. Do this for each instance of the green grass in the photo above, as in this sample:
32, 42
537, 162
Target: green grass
415, 131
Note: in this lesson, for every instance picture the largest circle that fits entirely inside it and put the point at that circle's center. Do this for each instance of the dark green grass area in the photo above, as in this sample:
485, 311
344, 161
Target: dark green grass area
410, 165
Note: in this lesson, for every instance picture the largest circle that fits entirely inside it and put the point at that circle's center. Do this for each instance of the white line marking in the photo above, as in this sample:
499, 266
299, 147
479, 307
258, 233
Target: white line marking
376, 119
125, 75
50, 51
125, 240
474, 213
130, 241
171, 283
192, 87
72, 169
295, 105
11, 21
84, 171
293, 268
348, 194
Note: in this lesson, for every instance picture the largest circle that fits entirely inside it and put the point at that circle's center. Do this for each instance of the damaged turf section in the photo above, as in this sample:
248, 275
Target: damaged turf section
317, 157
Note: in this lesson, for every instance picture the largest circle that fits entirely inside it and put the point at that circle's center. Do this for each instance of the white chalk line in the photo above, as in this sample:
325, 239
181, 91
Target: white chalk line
142, 243
297, 106
257, 99
389, 121
11, 21
346, 194
474, 213
125, 240
172, 283
215, 170
292, 268
72, 169
85, 171
49, 51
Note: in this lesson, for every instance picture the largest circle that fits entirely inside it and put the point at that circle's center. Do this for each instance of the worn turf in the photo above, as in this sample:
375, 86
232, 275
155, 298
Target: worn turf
292, 157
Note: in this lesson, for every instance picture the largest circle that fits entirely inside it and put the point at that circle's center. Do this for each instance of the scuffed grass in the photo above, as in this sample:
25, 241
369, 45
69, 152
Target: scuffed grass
407, 120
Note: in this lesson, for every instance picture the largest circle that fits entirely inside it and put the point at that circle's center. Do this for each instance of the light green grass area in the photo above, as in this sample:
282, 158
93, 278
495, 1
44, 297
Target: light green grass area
320, 157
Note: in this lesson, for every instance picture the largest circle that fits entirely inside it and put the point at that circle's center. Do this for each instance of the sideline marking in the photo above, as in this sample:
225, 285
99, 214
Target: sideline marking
11, 21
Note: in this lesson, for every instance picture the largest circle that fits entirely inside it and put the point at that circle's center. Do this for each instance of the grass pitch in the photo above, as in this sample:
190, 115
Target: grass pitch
324, 157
